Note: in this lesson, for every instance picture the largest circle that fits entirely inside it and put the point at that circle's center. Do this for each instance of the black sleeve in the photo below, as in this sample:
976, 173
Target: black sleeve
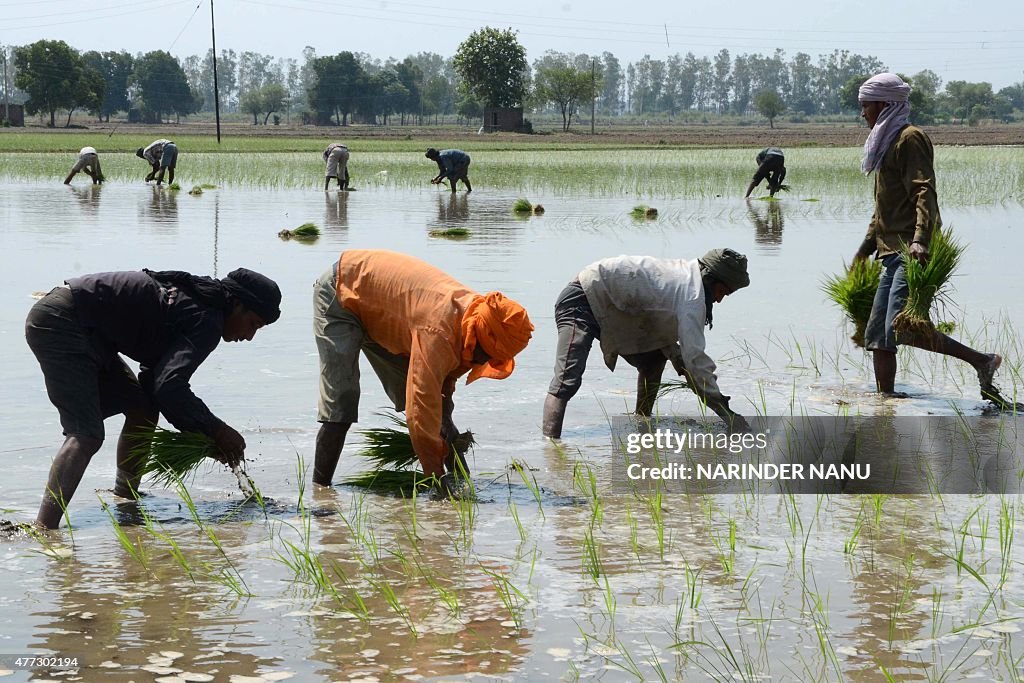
169, 378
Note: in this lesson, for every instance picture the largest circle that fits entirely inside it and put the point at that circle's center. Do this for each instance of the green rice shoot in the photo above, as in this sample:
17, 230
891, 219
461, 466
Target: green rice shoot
522, 206
196, 190
397, 482
927, 284
174, 187
451, 232
168, 456
306, 231
854, 292
206, 186
642, 212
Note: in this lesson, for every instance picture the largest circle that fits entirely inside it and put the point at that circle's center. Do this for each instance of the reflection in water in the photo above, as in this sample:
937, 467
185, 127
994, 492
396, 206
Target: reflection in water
162, 207
767, 224
336, 211
452, 209
88, 197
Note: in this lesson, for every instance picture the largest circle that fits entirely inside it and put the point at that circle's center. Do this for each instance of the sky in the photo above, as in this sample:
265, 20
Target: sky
980, 40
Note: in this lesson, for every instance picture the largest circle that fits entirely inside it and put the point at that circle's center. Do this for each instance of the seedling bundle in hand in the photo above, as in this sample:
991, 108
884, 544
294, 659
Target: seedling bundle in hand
169, 456
854, 292
390, 452
927, 283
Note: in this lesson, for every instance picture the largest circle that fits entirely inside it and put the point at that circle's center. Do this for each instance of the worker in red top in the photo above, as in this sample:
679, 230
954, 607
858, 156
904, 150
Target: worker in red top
420, 330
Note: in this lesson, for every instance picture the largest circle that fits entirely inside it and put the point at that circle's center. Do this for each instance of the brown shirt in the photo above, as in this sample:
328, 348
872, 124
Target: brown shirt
906, 205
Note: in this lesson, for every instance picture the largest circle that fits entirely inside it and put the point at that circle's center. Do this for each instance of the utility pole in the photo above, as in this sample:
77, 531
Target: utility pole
7, 104
593, 92
216, 88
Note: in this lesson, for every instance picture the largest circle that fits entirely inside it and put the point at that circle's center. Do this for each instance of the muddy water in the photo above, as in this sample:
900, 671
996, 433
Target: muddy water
477, 593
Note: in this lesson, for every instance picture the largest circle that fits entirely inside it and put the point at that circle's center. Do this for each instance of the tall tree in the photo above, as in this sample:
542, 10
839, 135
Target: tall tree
116, 69
801, 78
611, 85
769, 104
722, 81
51, 74
163, 85
493, 69
559, 80
340, 86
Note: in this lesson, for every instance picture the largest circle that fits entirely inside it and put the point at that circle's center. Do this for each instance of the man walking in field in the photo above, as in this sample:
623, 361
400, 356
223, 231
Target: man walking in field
421, 330
167, 321
647, 310
906, 212
336, 158
452, 164
89, 163
162, 155
771, 164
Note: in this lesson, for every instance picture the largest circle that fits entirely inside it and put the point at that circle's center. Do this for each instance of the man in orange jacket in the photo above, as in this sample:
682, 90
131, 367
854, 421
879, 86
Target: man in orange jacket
420, 330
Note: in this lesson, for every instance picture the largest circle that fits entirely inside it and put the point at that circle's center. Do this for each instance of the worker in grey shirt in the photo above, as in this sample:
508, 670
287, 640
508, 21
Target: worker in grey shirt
162, 155
649, 311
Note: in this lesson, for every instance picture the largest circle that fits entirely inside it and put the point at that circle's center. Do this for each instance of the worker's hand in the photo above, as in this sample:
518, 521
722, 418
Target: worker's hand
230, 446
919, 252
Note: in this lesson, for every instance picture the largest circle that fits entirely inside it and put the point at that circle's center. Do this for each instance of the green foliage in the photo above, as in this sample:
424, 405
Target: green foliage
306, 231
115, 68
451, 233
927, 283
265, 100
769, 105
340, 81
170, 456
854, 292
492, 66
163, 86
54, 76
559, 81
522, 206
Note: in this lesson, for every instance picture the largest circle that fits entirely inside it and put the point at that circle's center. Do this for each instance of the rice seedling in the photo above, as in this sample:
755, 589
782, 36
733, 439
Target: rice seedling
168, 456
511, 597
306, 232
451, 233
174, 187
854, 292
196, 191
390, 597
643, 212
591, 555
135, 549
522, 205
530, 482
206, 186
157, 531
927, 283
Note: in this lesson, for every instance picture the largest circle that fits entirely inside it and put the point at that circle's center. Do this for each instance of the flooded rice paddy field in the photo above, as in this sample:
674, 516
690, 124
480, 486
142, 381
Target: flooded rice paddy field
549, 574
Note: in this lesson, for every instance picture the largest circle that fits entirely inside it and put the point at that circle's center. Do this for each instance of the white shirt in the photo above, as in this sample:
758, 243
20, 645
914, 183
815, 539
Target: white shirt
152, 151
646, 304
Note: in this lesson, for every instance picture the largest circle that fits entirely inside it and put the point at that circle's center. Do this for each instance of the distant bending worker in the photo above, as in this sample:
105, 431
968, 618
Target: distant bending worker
167, 321
89, 163
906, 213
420, 330
771, 164
336, 158
452, 164
162, 155
649, 311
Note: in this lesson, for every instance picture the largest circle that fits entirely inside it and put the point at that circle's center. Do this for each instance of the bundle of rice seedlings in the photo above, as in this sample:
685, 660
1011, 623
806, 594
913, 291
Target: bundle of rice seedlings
782, 188
854, 292
641, 211
174, 186
169, 456
522, 206
927, 283
451, 232
196, 190
538, 209
390, 451
306, 231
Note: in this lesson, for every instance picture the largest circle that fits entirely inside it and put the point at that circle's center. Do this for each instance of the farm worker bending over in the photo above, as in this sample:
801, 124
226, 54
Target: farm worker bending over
89, 162
336, 158
906, 212
167, 321
162, 155
771, 164
452, 164
647, 310
420, 330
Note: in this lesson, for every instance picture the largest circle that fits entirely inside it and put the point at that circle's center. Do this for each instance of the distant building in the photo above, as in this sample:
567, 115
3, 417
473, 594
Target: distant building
15, 115
502, 119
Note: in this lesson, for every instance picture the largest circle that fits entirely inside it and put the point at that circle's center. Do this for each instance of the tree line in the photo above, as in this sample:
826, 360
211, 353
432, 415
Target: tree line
489, 68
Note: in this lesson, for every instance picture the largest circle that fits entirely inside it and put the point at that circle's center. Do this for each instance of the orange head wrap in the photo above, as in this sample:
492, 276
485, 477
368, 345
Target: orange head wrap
502, 329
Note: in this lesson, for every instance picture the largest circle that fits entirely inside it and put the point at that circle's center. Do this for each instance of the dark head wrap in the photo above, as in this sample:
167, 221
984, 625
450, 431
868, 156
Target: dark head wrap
257, 292
431, 153
727, 266
140, 152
